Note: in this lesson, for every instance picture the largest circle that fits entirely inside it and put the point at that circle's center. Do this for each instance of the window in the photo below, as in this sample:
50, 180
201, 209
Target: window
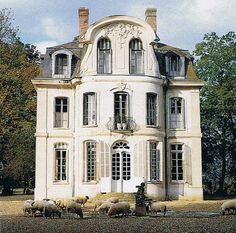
136, 57
104, 56
154, 162
177, 162
120, 108
61, 64
61, 113
91, 161
61, 154
89, 117
151, 109
175, 65
176, 113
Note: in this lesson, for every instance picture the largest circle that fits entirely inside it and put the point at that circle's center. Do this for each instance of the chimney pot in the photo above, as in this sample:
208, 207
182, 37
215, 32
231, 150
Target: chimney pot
150, 14
83, 20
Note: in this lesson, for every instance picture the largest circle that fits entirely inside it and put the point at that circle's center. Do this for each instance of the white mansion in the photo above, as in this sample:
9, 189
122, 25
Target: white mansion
115, 107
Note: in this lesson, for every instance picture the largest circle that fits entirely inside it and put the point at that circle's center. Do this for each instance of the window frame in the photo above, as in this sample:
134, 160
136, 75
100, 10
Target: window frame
61, 147
90, 178
101, 67
176, 153
93, 110
154, 168
133, 69
69, 64
61, 112
155, 110
176, 118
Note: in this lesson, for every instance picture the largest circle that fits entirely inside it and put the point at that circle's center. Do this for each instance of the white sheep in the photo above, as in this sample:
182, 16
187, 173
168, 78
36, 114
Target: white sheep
113, 199
62, 202
104, 208
119, 208
50, 209
73, 207
81, 200
38, 206
27, 207
158, 207
227, 206
98, 203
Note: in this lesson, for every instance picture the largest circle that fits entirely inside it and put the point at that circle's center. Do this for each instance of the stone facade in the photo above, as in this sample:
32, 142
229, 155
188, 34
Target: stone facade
115, 108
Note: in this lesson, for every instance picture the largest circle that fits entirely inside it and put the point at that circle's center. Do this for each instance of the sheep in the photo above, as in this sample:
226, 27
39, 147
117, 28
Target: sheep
104, 208
227, 206
27, 207
50, 209
157, 207
38, 206
98, 203
73, 207
81, 200
119, 208
50, 201
62, 202
113, 199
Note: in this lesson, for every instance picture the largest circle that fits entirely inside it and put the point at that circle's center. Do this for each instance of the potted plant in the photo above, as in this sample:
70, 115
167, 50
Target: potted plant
118, 122
124, 122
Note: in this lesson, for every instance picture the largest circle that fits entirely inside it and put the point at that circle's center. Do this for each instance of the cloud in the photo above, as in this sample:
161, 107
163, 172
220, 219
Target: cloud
41, 46
56, 29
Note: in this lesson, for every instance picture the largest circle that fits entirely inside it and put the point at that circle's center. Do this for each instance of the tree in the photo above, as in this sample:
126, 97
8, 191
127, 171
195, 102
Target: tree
216, 65
17, 105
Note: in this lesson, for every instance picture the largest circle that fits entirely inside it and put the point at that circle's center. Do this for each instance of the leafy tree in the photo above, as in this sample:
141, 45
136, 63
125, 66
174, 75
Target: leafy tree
216, 65
17, 105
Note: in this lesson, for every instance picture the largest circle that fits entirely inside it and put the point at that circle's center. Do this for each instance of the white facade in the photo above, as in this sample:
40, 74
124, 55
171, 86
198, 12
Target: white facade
80, 148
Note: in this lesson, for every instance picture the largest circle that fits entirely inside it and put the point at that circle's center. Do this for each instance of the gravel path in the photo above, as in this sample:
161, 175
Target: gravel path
189, 217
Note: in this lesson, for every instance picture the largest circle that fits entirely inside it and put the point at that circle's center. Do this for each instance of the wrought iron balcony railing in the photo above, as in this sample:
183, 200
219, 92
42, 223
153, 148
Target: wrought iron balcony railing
127, 124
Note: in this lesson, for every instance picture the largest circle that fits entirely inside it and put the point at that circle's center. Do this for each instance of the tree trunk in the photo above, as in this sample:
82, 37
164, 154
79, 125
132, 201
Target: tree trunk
223, 170
7, 186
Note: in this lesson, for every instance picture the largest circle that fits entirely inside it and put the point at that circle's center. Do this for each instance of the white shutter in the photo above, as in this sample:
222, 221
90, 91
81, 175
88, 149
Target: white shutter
104, 159
188, 164
182, 66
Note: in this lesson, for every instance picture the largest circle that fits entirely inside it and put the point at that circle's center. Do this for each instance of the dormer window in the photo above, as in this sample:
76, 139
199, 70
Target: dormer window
61, 64
136, 56
104, 56
174, 65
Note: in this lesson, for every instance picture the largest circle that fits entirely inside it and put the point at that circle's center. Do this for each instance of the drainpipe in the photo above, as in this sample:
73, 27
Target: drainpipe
165, 88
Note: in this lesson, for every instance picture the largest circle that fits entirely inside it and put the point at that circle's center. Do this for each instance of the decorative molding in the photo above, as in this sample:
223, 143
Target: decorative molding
122, 31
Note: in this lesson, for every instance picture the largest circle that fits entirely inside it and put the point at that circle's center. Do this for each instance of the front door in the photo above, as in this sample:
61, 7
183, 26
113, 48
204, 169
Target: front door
121, 169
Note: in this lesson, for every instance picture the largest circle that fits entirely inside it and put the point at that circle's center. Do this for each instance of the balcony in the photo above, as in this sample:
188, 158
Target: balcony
127, 124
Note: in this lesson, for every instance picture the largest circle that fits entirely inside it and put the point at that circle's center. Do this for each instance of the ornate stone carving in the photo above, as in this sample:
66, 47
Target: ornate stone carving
122, 31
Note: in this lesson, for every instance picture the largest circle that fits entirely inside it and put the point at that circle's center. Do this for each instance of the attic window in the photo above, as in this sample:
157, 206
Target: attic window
174, 65
61, 64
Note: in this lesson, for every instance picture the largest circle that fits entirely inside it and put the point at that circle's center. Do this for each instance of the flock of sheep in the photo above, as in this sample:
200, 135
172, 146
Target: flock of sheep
111, 207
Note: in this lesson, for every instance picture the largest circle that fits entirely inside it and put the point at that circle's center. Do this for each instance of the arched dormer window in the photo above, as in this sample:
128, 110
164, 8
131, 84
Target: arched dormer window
61, 64
136, 56
104, 56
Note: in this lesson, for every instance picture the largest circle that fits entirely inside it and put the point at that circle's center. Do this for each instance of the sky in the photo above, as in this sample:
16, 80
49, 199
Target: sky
180, 23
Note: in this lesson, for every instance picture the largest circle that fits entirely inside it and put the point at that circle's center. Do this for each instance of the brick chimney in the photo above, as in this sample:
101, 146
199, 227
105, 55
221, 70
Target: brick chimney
151, 16
83, 20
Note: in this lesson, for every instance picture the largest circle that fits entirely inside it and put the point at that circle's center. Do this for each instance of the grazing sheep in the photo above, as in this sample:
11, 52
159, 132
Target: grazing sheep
81, 200
113, 199
50, 209
104, 208
38, 206
49, 201
98, 203
227, 206
157, 207
119, 208
27, 207
62, 202
73, 207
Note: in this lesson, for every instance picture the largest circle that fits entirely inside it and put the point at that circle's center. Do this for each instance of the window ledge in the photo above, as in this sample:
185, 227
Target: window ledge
89, 126
177, 129
153, 126
154, 182
177, 182
60, 128
90, 182
60, 182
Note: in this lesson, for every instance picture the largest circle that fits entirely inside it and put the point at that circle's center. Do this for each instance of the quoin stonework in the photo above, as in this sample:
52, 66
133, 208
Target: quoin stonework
117, 107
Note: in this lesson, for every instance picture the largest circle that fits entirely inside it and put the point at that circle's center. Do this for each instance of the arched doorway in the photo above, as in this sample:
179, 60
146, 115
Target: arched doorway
120, 166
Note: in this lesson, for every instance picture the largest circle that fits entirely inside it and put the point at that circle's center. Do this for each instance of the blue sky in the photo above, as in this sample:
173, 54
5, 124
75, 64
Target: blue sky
181, 23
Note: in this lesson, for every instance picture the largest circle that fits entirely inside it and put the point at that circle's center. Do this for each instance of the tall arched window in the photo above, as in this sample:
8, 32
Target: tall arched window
104, 56
136, 56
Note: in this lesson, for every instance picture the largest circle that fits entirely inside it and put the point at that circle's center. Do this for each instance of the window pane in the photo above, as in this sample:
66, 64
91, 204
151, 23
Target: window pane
151, 109
177, 162
91, 160
104, 56
136, 57
89, 117
61, 117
